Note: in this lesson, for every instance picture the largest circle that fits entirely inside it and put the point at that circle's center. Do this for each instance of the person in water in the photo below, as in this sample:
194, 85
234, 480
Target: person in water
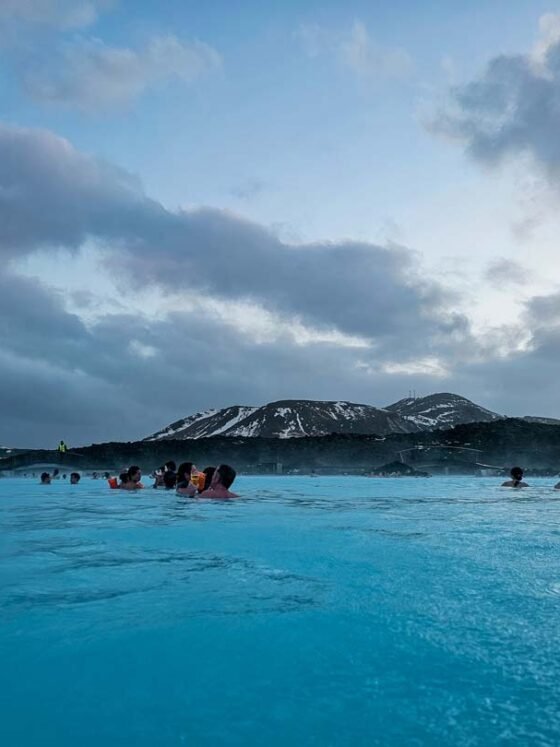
74, 478
516, 479
203, 481
158, 477
166, 476
208, 473
134, 476
45, 478
123, 479
184, 475
222, 480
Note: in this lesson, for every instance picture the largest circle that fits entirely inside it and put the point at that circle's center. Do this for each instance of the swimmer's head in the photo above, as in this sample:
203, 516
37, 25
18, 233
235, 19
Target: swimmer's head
134, 473
184, 472
516, 473
208, 473
224, 475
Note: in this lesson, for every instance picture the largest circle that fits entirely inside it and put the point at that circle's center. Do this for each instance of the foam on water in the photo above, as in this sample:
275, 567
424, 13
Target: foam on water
313, 611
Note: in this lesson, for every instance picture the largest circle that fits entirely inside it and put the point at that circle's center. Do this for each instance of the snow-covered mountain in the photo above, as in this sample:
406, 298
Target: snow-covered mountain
202, 424
289, 419
441, 411
302, 417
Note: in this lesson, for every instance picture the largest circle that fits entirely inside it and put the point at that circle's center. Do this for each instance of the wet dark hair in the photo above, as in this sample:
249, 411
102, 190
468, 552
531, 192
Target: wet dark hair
124, 477
208, 473
169, 480
75, 476
132, 470
184, 472
227, 475
517, 475
44, 476
171, 466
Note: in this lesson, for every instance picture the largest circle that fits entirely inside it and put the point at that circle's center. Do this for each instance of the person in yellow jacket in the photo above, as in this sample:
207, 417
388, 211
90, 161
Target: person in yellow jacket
62, 449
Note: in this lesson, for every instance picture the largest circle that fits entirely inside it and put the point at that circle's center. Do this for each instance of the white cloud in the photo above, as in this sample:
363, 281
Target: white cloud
355, 50
60, 14
421, 367
89, 74
142, 351
549, 28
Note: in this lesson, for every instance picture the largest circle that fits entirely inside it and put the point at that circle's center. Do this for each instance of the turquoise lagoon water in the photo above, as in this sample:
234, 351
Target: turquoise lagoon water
313, 611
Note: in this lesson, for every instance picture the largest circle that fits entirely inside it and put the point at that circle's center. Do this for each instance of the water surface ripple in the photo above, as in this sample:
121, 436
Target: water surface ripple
313, 611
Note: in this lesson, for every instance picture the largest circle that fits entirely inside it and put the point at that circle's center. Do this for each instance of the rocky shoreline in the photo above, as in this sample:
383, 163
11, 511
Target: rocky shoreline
466, 449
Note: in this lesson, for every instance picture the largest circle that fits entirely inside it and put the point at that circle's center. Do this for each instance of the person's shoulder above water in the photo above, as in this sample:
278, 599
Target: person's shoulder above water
186, 488
217, 493
222, 480
516, 479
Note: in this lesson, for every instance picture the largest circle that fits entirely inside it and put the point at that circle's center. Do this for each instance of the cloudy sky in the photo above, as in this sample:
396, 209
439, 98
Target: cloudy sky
232, 202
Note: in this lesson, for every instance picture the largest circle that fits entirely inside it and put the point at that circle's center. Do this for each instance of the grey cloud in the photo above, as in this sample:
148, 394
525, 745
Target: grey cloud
524, 382
52, 195
91, 75
544, 312
504, 272
63, 379
512, 109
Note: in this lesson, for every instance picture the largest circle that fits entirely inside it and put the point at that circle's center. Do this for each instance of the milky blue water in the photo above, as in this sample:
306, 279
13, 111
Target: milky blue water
313, 611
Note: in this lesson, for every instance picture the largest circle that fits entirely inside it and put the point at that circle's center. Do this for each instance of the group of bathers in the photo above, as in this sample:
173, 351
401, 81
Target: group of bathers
211, 482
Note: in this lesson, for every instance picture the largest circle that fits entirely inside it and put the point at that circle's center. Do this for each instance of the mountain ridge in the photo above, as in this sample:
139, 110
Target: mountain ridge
298, 418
